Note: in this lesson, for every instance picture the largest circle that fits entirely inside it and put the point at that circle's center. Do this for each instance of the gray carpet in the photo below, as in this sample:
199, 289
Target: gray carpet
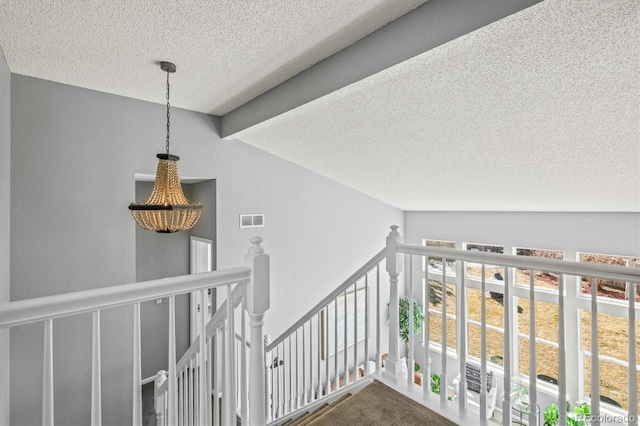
378, 404
148, 413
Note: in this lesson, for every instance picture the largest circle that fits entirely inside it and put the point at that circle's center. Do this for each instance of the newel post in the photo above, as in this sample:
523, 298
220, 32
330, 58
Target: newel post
393, 366
257, 303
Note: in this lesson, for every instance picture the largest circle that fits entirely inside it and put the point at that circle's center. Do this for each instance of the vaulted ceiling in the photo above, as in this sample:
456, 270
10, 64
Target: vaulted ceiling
500, 105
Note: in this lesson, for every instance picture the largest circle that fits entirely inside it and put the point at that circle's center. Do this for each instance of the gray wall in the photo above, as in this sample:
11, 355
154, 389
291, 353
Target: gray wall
5, 178
160, 256
318, 232
74, 153
607, 233
167, 255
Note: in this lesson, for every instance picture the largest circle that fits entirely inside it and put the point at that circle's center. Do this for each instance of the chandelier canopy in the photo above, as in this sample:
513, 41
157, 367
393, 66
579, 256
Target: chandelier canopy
167, 209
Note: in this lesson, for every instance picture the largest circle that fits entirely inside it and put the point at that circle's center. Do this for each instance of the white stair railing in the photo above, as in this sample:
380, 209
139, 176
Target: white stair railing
183, 395
567, 272
308, 362
329, 348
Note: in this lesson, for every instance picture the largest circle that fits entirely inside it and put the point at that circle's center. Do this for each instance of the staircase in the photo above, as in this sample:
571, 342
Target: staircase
375, 404
327, 367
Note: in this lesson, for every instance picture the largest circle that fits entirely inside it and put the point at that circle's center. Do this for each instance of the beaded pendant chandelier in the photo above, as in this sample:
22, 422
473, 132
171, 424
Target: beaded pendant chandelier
167, 209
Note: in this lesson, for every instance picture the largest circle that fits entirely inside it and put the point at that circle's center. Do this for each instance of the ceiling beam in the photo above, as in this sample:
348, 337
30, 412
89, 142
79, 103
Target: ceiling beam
434, 23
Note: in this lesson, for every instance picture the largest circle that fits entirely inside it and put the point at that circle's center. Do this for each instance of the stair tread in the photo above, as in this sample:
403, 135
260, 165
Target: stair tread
324, 409
298, 420
315, 414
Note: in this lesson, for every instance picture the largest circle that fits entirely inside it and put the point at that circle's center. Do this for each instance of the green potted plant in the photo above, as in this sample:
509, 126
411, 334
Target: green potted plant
435, 383
403, 313
581, 412
551, 415
576, 418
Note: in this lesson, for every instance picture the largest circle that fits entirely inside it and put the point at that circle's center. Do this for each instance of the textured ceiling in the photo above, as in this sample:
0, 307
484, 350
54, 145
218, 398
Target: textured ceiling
227, 51
536, 112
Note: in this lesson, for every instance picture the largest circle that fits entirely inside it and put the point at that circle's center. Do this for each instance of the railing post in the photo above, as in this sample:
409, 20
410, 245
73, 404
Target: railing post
96, 388
47, 375
204, 390
393, 367
267, 381
159, 397
257, 303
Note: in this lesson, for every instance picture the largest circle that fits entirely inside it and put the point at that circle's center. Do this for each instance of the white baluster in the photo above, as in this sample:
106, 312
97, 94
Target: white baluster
181, 397
378, 322
190, 399
367, 371
633, 357
506, 403
355, 334
410, 368
290, 372
172, 415
595, 361
319, 358
305, 398
137, 370
443, 375
229, 396
336, 376
533, 381
216, 377
346, 336
96, 388
203, 390
325, 347
393, 367
297, 372
562, 375
426, 382
159, 398
483, 348
47, 375
463, 332
244, 368
268, 381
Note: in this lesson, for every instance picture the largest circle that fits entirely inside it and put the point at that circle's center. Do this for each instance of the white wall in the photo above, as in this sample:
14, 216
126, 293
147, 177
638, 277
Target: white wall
74, 154
318, 232
5, 195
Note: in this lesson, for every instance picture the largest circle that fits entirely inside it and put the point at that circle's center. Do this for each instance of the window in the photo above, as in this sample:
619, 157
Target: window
435, 296
547, 353
613, 356
495, 325
541, 279
547, 319
606, 288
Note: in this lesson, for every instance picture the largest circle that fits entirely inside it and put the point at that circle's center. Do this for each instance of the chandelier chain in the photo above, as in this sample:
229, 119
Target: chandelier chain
168, 113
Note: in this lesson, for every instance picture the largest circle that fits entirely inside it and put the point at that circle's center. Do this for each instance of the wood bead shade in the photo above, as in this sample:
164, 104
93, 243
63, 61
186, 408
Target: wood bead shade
167, 209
